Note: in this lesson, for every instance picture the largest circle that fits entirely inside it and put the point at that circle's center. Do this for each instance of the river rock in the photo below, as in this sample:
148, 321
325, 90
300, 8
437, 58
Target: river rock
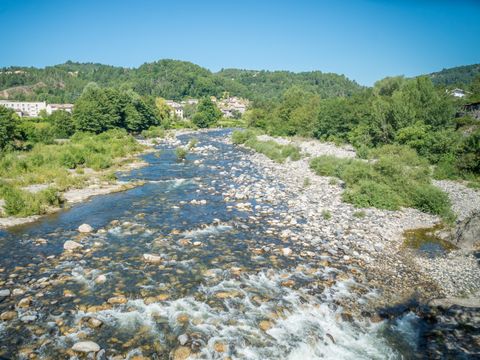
8, 315
72, 245
28, 318
100, 279
85, 228
183, 339
152, 259
265, 325
24, 303
94, 323
86, 347
181, 353
117, 300
287, 251
4, 293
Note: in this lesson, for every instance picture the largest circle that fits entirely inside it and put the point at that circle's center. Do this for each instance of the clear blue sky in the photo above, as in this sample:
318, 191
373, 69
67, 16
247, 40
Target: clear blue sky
363, 39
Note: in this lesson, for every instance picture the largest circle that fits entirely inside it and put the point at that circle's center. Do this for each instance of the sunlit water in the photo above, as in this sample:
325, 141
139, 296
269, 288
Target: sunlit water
230, 300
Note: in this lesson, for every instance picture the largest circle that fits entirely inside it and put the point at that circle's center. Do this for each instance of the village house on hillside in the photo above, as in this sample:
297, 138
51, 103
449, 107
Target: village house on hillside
232, 106
176, 108
458, 93
33, 108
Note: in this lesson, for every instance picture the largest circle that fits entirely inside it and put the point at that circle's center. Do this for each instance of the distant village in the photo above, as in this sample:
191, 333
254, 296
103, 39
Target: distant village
231, 107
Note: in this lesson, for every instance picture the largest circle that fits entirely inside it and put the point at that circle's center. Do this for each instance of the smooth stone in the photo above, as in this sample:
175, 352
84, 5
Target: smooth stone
72, 245
94, 323
86, 347
287, 251
8, 315
24, 303
100, 279
183, 339
116, 300
28, 318
85, 228
4, 293
152, 259
181, 353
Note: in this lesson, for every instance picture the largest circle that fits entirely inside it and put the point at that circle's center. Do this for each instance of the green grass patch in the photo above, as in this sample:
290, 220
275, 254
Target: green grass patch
154, 132
277, 152
396, 178
61, 166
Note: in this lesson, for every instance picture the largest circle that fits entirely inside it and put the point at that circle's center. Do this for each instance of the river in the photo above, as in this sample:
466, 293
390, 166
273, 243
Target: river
227, 286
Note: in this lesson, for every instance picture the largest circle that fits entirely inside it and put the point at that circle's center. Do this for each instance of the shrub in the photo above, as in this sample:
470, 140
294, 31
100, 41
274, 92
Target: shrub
369, 193
192, 143
398, 177
153, 132
181, 153
24, 203
430, 199
326, 214
359, 214
241, 136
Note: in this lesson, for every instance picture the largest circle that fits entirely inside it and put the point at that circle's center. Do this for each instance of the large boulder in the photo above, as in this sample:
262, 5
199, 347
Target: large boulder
467, 233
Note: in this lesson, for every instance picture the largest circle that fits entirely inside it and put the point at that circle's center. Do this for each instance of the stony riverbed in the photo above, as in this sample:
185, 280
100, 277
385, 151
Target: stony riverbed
228, 255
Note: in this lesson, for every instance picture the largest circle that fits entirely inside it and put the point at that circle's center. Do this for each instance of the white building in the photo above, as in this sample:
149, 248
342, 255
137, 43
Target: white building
23, 108
459, 93
176, 108
54, 107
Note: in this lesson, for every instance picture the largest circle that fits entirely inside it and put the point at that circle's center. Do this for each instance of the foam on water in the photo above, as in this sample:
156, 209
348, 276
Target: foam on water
205, 231
301, 326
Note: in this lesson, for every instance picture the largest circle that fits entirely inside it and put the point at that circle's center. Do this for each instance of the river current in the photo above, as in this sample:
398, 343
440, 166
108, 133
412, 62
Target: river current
225, 287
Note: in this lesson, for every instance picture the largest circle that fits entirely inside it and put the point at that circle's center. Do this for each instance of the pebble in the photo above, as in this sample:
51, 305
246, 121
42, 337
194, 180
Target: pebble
4, 293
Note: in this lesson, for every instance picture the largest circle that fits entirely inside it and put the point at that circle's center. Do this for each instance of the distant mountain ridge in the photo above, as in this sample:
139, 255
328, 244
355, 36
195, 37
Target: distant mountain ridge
175, 79
172, 79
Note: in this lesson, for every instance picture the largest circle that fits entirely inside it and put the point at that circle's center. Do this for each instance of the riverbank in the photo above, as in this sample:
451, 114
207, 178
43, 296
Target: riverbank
90, 183
371, 238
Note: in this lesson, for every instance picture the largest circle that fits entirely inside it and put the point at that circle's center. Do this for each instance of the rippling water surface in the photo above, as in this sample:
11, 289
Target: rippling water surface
222, 290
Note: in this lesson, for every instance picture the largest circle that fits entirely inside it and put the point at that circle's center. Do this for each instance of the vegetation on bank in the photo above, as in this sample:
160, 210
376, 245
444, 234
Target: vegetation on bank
59, 167
396, 177
410, 112
271, 149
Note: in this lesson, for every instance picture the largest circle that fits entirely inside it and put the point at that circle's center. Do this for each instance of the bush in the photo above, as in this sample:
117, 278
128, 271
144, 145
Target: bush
24, 203
192, 143
241, 136
181, 153
326, 214
153, 132
397, 178
369, 193
432, 200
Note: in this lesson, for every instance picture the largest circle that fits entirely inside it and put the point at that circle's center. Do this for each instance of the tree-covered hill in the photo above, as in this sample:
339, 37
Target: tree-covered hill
272, 84
166, 78
457, 76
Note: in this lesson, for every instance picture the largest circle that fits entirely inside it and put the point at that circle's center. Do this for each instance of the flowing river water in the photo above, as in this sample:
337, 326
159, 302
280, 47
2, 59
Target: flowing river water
222, 290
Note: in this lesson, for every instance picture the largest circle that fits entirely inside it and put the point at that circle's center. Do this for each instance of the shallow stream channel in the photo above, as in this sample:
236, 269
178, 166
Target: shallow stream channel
174, 269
